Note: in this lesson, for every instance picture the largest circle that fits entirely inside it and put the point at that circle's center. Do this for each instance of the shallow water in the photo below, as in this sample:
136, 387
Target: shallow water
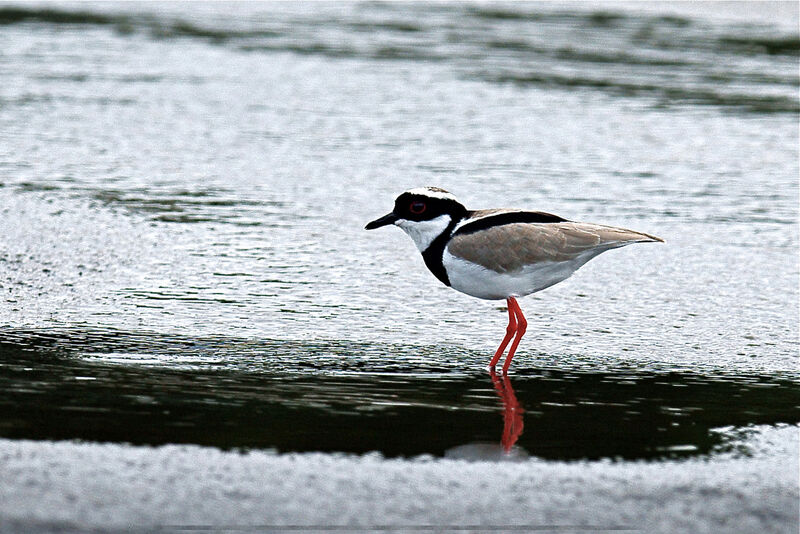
183, 194
360, 397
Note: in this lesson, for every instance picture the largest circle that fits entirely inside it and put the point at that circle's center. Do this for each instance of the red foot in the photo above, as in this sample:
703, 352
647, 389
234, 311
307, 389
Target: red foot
511, 329
522, 326
516, 326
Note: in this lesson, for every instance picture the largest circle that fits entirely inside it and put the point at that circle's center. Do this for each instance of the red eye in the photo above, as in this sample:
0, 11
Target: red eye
417, 207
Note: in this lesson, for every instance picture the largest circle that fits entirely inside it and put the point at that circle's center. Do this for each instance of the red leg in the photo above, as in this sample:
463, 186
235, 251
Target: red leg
511, 329
522, 325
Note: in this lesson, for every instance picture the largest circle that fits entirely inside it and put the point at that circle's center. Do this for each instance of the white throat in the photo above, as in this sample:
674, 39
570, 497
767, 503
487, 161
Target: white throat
424, 232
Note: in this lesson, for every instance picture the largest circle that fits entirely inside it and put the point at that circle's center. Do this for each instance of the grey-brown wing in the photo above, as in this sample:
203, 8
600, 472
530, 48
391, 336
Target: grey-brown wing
510, 247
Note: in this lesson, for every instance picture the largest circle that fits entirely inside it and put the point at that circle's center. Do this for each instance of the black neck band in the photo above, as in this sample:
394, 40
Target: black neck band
435, 251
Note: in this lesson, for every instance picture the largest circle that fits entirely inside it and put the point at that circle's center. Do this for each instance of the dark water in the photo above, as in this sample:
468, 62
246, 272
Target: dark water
183, 191
357, 397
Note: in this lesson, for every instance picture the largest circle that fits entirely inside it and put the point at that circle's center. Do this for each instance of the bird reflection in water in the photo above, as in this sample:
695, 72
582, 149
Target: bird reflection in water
512, 411
512, 429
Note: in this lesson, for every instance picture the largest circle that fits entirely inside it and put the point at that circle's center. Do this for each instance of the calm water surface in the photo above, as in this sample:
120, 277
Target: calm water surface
183, 192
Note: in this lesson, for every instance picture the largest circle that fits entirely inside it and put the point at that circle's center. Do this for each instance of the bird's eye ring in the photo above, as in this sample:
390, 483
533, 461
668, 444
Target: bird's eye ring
417, 207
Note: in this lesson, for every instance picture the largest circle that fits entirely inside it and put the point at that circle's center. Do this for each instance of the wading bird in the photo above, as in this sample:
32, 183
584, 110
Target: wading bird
499, 253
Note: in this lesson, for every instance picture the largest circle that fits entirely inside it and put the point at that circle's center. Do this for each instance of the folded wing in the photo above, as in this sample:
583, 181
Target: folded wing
510, 247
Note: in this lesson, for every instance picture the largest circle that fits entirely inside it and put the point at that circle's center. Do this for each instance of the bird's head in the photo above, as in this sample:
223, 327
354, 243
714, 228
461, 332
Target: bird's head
423, 213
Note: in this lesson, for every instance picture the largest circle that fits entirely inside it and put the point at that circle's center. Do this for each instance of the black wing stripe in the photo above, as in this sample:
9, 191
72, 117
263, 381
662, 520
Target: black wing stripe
511, 217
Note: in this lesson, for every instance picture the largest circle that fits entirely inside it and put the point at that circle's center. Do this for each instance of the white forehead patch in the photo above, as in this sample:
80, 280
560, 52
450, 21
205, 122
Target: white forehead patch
433, 192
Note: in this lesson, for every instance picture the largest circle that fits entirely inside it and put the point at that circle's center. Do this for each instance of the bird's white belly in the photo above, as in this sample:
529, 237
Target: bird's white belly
483, 283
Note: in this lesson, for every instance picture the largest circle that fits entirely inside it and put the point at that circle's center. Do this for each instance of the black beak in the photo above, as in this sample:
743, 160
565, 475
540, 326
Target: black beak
390, 218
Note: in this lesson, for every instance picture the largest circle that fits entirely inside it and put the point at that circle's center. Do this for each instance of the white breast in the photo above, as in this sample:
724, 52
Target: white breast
483, 283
